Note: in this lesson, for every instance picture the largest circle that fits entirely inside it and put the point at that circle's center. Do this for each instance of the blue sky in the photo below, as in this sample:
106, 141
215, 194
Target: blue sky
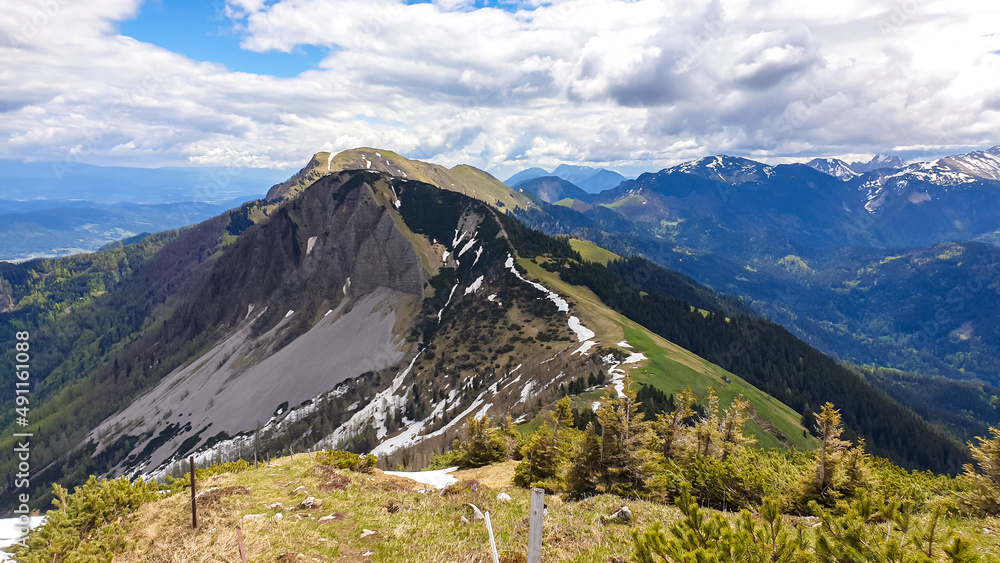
202, 31
633, 85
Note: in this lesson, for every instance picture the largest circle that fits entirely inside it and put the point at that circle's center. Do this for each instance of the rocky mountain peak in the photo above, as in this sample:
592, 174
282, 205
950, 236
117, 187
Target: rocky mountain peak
728, 169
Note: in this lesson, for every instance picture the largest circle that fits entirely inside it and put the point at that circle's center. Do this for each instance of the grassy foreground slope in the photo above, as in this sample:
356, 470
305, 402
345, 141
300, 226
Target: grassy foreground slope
410, 521
361, 517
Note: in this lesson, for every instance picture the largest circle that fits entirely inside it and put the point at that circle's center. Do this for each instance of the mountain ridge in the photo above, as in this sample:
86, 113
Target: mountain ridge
453, 299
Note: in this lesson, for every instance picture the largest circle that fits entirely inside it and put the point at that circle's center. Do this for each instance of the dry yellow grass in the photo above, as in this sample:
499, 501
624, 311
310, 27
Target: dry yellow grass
496, 476
410, 525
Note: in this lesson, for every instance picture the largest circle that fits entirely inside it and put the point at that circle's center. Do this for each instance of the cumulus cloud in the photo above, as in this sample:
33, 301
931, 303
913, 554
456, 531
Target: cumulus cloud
640, 84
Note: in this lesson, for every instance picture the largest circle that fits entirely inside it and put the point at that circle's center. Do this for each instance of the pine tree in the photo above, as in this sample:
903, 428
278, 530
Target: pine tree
731, 426
584, 475
561, 417
985, 474
670, 427
706, 430
829, 429
511, 437
484, 443
624, 456
540, 466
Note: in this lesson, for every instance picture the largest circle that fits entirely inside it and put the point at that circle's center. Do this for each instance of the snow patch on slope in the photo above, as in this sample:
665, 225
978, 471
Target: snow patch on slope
475, 286
634, 357
438, 479
450, 295
582, 332
11, 528
561, 303
377, 410
469, 244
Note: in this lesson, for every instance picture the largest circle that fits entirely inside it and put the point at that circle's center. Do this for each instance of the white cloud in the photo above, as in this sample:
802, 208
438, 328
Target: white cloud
637, 84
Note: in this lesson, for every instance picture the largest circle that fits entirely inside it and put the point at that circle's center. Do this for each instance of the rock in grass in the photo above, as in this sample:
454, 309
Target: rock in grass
623, 515
503, 497
476, 513
276, 506
253, 516
310, 503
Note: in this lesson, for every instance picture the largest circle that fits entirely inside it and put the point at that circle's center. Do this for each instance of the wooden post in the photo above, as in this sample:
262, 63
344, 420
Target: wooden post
493, 542
243, 550
194, 503
535, 526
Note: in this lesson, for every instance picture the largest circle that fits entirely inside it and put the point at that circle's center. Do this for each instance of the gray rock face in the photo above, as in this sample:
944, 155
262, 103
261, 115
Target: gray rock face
316, 290
6, 301
352, 235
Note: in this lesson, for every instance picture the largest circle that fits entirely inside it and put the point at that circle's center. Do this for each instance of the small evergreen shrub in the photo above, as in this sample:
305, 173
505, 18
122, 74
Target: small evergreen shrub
346, 460
89, 525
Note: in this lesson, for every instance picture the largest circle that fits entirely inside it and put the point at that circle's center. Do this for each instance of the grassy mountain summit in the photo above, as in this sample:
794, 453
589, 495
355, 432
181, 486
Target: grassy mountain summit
462, 178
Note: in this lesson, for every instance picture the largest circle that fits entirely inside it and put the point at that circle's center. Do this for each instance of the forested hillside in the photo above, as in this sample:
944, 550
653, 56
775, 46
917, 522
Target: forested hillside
769, 357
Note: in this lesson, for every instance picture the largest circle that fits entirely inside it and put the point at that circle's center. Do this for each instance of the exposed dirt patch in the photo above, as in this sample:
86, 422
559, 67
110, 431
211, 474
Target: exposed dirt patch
330, 479
214, 496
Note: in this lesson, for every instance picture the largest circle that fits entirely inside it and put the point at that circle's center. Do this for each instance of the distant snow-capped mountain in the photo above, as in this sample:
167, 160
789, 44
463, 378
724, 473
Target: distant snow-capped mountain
886, 169
841, 169
878, 162
972, 166
728, 169
926, 181
834, 167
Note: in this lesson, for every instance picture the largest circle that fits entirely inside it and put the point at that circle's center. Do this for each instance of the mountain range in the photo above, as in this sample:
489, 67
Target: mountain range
373, 303
587, 179
892, 267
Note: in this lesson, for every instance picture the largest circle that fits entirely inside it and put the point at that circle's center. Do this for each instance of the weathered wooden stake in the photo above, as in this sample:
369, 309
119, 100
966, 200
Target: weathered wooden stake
493, 542
535, 526
243, 550
194, 503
